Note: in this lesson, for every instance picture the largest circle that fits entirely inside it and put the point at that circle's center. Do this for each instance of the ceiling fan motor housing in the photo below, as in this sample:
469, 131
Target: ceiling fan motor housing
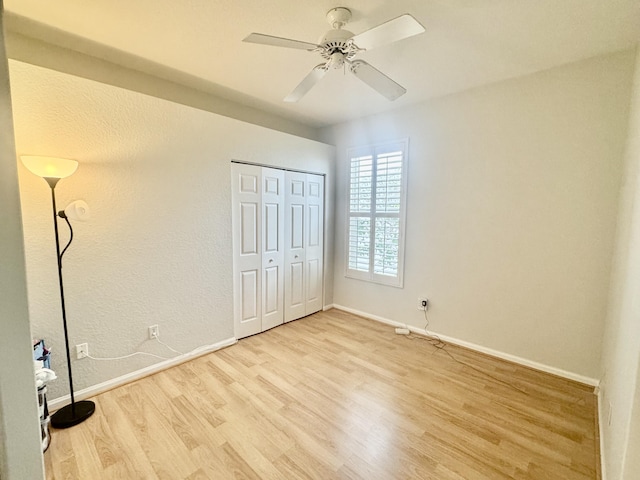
337, 47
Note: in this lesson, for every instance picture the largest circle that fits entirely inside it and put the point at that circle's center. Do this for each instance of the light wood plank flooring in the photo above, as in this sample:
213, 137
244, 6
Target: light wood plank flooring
335, 396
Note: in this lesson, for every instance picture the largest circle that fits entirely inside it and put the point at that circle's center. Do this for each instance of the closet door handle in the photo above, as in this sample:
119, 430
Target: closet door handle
296, 256
271, 260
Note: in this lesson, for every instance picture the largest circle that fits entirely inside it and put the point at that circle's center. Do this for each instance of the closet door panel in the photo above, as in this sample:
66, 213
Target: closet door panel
314, 226
272, 247
249, 228
249, 295
272, 239
271, 304
295, 205
247, 232
296, 281
297, 226
314, 290
314, 247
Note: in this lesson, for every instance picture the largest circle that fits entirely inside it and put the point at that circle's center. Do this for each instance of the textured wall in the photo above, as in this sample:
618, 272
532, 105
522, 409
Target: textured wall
512, 201
158, 248
20, 448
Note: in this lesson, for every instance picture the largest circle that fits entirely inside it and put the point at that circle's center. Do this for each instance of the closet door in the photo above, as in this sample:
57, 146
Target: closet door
294, 278
278, 231
272, 247
314, 243
247, 239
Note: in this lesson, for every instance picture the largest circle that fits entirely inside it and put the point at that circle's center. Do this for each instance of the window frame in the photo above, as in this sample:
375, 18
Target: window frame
376, 150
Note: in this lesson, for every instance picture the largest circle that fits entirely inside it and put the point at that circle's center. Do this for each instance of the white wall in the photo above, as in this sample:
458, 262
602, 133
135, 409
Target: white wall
20, 447
632, 457
621, 351
158, 248
512, 202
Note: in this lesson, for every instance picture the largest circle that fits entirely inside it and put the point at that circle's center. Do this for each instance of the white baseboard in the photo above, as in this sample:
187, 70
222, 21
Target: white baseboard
327, 307
479, 348
143, 372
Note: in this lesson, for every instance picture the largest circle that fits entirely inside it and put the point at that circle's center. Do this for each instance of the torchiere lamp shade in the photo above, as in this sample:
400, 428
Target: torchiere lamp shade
49, 167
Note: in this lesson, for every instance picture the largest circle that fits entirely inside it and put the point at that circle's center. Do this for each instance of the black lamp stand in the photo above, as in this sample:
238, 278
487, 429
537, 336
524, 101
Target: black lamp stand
75, 412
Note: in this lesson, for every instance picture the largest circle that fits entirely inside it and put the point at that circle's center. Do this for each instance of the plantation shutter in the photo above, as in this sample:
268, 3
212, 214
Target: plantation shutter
376, 213
360, 200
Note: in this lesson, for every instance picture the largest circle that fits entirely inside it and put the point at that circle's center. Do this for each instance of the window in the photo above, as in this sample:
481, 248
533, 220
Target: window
375, 233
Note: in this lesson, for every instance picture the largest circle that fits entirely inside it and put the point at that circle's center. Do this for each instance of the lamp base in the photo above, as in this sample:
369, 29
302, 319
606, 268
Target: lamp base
73, 414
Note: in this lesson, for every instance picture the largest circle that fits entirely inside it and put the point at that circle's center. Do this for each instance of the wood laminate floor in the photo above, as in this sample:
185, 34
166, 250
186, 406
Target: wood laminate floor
335, 396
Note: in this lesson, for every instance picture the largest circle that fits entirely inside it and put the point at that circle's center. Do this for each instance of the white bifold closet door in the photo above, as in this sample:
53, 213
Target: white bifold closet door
304, 220
258, 243
278, 234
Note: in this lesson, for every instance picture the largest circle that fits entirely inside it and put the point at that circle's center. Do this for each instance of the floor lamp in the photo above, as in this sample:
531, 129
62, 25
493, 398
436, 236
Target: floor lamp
52, 170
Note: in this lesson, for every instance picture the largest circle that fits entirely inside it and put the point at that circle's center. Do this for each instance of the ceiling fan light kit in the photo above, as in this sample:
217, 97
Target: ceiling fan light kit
338, 47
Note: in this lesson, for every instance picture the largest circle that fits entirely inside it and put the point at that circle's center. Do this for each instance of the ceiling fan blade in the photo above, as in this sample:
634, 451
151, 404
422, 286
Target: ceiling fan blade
279, 42
399, 28
376, 80
307, 83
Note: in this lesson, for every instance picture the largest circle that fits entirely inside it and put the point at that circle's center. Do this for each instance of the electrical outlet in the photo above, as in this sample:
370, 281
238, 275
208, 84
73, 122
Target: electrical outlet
423, 303
154, 332
82, 350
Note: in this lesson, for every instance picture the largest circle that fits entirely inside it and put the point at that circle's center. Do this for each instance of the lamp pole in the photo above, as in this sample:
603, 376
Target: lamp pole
75, 412
52, 169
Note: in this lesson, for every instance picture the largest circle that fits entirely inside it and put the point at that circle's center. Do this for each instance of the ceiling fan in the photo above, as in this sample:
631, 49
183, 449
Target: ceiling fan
339, 47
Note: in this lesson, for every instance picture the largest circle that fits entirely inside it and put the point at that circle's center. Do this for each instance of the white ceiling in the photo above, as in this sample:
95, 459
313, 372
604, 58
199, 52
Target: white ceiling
467, 43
